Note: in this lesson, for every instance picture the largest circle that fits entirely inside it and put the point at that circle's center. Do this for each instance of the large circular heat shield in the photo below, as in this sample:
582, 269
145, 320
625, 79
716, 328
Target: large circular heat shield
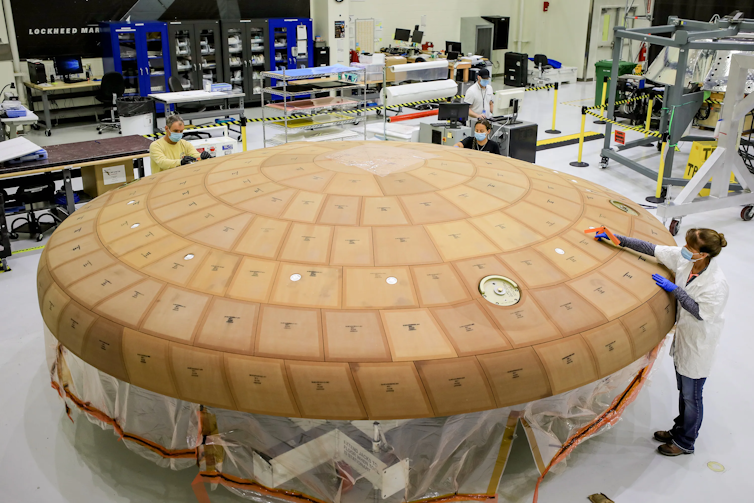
342, 281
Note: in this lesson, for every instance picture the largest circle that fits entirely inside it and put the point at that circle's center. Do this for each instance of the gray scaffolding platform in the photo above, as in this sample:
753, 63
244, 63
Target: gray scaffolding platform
685, 36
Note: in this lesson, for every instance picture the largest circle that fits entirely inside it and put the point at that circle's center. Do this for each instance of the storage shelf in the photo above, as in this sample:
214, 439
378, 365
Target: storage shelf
312, 105
300, 123
301, 115
313, 73
342, 135
278, 91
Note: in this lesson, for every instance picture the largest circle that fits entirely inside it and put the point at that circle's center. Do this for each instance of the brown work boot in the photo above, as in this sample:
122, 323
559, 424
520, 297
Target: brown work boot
671, 450
663, 436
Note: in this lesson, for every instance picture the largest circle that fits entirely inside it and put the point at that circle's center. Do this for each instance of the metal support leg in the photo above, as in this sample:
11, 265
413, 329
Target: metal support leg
613, 85
5, 247
70, 204
139, 165
46, 106
673, 96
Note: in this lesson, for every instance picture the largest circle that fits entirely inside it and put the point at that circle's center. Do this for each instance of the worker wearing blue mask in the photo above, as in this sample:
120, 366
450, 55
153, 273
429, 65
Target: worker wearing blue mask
702, 292
480, 141
479, 96
172, 150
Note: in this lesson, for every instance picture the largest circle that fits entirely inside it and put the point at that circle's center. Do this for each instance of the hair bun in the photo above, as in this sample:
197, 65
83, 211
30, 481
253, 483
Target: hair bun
723, 242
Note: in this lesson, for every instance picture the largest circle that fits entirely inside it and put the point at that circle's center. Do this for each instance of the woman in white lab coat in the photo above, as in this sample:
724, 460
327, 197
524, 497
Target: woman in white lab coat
702, 292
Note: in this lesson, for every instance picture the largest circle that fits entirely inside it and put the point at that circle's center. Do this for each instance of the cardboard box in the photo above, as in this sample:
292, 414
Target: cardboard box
393, 60
102, 178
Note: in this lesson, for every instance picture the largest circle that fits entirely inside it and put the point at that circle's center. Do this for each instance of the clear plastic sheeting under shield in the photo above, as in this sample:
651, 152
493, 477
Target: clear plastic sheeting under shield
268, 459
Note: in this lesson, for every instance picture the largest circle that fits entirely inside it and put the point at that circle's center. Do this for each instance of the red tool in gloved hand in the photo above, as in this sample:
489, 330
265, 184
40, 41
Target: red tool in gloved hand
609, 234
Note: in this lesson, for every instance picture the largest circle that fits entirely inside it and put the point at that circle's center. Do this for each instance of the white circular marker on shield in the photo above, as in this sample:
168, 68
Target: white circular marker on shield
391, 280
295, 277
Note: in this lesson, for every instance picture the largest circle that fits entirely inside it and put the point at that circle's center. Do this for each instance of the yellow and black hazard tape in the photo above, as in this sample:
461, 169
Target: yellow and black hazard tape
620, 102
548, 86
299, 116
715, 102
16, 252
192, 128
638, 129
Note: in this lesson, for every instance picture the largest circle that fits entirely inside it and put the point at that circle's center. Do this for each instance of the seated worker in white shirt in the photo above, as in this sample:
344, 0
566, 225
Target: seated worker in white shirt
479, 96
172, 150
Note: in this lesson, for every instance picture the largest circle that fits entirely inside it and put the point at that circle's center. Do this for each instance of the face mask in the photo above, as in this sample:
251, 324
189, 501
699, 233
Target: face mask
176, 137
480, 136
484, 82
686, 253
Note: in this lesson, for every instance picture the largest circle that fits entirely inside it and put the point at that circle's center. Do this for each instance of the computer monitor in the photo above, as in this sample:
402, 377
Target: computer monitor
508, 101
68, 65
453, 55
452, 46
453, 112
416, 37
402, 35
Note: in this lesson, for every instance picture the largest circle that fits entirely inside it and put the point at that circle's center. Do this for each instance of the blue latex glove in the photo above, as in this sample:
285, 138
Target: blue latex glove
600, 236
664, 283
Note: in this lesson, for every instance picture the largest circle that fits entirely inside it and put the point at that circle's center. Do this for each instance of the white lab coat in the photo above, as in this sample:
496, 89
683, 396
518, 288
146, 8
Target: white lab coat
695, 341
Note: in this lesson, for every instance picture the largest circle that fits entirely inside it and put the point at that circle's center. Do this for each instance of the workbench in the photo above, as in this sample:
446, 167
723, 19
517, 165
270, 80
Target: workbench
12, 122
67, 159
194, 97
46, 89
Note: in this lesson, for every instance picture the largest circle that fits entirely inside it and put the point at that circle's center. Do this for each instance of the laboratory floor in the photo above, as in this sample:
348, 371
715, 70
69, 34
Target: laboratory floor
47, 458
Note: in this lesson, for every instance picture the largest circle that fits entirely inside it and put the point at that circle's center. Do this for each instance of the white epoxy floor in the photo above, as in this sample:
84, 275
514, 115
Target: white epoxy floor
44, 457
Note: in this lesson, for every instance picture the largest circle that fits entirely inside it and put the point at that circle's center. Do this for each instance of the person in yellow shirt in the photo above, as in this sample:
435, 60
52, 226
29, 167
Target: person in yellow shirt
172, 150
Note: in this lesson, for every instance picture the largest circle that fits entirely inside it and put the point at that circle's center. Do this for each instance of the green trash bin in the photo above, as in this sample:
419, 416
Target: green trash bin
602, 69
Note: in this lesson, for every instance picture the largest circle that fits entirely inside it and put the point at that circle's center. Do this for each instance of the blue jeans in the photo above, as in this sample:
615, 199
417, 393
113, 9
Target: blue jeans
690, 412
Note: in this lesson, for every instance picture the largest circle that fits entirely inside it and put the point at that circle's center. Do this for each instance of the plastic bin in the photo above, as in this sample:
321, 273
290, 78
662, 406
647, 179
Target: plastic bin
603, 69
373, 71
136, 115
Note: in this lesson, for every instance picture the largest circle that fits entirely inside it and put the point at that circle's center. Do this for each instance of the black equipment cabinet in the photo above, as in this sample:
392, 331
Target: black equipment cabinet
246, 54
515, 69
196, 52
321, 56
518, 140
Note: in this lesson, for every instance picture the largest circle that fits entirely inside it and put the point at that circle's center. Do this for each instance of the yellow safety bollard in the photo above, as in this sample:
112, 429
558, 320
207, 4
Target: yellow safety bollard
554, 111
243, 133
660, 173
649, 120
577, 163
603, 109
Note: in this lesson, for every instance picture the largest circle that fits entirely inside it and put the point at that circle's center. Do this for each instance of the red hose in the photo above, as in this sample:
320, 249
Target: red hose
407, 117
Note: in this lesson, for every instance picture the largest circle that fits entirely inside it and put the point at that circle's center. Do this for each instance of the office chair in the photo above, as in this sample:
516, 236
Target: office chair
111, 88
174, 84
35, 194
540, 61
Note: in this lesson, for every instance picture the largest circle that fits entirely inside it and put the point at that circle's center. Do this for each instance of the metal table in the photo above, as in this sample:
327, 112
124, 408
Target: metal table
70, 156
45, 89
186, 97
27, 120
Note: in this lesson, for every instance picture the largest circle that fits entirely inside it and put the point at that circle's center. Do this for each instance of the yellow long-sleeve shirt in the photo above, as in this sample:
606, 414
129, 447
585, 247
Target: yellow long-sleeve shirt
166, 156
